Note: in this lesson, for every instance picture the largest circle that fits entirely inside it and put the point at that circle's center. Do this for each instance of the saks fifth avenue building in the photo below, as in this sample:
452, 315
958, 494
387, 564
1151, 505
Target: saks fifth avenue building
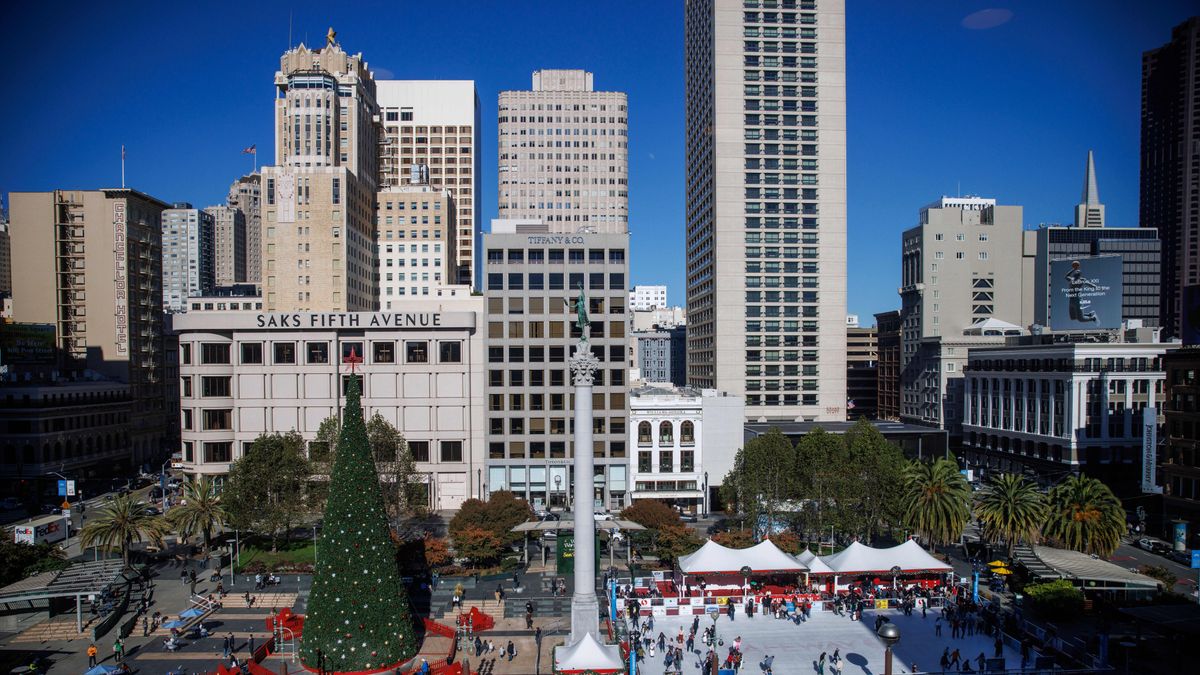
243, 374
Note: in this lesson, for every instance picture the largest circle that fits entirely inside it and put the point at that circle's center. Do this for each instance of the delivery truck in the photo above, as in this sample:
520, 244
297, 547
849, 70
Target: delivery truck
44, 530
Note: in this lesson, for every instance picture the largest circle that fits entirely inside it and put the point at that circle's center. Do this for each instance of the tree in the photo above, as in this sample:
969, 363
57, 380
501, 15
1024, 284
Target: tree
761, 478
264, 491
674, 540
735, 538
359, 618
787, 542
1012, 510
499, 514
18, 561
665, 531
936, 500
651, 514
824, 484
201, 511
875, 468
437, 551
1084, 515
477, 544
393, 462
121, 523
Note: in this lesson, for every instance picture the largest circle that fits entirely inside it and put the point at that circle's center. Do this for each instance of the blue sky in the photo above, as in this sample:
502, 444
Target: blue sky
935, 107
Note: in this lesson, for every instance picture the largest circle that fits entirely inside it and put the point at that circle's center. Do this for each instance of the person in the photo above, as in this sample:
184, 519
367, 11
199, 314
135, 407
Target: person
998, 646
226, 646
516, 580
731, 610
737, 643
966, 666
455, 601
183, 577
945, 660
691, 642
537, 636
203, 630
478, 646
821, 664
980, 661
251, 644
91, 652
424, 667
913, 668
651, 650
529, 620
937, 627
118, 650
954, 657
499, 593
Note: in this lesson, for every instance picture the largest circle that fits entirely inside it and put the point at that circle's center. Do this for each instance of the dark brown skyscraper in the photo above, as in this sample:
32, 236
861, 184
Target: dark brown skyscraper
1170, 166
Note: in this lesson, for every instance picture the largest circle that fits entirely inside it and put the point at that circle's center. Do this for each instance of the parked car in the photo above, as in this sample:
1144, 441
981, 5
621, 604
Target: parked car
152, 511
10, 503
1182, 557
1153, 545
602, 516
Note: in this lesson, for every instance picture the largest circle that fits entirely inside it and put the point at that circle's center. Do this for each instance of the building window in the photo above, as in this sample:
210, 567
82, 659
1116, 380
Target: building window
218, 452
317, 352
419, 450
644, 462
186, 421
644, 434
356, 347
687, 460
188, 452
452, 451
185, 354
687, 434
449, 352
337, 190
362, 385
252, 352
185, 387
416, 352
285, 352
666, 463
217, 420
215, 386
666, 433
214, 353
385, 352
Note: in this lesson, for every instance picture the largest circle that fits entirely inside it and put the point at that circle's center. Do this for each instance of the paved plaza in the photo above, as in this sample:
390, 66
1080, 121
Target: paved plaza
797, 648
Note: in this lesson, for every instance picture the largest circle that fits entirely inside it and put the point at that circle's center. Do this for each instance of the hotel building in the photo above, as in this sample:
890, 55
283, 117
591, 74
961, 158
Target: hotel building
766, 203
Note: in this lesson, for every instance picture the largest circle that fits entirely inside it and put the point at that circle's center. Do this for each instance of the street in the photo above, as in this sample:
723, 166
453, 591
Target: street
1131, 556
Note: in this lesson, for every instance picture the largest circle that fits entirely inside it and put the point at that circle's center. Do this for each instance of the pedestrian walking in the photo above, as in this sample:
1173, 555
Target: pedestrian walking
251, 643
937, 627
118, 650
183, 577
954, 658
499, 593
821, 664
998, 647
92, 652
226, 647
981, 661
145, 627
528, 620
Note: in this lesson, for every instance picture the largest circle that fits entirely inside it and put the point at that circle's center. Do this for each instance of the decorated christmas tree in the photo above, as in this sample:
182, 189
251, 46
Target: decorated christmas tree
359, 619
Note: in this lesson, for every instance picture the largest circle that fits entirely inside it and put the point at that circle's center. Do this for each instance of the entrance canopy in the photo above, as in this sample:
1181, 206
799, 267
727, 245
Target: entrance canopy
762, 558
909, 557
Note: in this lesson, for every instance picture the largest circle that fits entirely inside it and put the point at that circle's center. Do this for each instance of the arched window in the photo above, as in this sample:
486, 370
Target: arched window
644, 434
687, 433
666, 433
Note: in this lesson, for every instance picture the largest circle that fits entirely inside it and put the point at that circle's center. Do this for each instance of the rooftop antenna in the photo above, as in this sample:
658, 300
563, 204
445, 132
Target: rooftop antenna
289, 29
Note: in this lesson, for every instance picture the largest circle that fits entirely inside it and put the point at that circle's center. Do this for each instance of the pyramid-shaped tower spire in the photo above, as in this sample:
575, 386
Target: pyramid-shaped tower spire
1090, 212
1091, 194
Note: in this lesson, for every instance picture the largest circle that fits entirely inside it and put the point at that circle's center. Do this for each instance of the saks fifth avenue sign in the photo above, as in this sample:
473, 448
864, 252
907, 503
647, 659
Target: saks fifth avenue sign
350, 320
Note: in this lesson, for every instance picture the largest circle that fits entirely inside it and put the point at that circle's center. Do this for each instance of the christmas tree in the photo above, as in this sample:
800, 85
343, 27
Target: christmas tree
359, 619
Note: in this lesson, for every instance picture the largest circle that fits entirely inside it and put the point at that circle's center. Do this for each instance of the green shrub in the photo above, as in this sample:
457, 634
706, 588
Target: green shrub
1057, 599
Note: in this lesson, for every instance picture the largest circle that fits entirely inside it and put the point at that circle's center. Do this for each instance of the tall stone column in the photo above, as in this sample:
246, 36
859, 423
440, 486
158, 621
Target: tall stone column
585, 608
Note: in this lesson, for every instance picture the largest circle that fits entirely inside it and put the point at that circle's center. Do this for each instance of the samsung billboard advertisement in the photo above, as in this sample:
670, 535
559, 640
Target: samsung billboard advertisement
1085, 293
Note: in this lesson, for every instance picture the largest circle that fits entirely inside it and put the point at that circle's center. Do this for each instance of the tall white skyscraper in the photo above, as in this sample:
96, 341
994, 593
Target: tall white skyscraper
766, 203
188, 254
431, 137
564, 154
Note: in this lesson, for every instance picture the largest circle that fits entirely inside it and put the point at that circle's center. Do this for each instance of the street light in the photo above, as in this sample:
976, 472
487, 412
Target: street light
705, 495
889, 633
713, 614
746, 572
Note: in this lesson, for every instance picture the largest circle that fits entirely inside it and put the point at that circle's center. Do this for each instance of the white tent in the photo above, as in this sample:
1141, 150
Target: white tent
815, 564
713, 558
860, 559
587, 655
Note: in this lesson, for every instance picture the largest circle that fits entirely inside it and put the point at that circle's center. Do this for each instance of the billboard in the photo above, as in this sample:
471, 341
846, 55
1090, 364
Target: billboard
1085, 293
27, 343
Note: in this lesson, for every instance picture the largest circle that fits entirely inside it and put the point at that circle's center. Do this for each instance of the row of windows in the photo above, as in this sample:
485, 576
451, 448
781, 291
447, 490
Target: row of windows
558, 378
317, 352
221, 451
558, 449
554, 281
666, 463
666, 433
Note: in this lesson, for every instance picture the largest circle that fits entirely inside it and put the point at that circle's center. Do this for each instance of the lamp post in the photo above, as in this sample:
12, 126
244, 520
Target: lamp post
705, 495
558, 482
713, 614
889, 634
746, 572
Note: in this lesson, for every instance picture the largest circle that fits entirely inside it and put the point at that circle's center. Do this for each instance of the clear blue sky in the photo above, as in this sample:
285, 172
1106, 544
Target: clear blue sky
1007, 111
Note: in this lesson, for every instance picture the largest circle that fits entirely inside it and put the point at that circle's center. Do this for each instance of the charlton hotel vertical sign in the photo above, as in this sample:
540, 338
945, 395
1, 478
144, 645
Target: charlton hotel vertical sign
120, 264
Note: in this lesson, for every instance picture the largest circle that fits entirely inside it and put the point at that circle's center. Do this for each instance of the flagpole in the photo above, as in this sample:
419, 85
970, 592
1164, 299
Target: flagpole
122, 167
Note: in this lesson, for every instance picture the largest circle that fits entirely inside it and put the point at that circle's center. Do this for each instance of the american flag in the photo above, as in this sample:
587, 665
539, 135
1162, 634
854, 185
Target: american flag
252, 150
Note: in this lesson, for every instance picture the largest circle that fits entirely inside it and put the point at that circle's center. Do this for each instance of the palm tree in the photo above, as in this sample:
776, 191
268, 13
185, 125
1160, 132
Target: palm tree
1012, 510
201, 510
1085, 515
121, 523
936, 501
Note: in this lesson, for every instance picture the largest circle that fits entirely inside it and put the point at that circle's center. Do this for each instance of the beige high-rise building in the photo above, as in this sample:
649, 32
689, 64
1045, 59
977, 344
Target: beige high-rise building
318, 230
90, 263
431, 136
229, 244
245, 195
766, 204
416, 243
967, 270
564, 154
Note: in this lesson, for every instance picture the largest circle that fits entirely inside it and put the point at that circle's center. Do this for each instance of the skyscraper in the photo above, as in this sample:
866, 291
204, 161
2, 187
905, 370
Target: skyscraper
1089, 212
1170, 167
245, 195
564, 154
766, 203
318, 230
229, 244
188, 255
431, 132
416, 243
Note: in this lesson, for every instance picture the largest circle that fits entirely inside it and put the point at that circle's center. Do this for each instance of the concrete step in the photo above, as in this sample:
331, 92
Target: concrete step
58, 628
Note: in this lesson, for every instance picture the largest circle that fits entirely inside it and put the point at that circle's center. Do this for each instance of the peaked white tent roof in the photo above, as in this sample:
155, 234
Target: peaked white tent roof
815, 564
713, 558
587, 655
909, 557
